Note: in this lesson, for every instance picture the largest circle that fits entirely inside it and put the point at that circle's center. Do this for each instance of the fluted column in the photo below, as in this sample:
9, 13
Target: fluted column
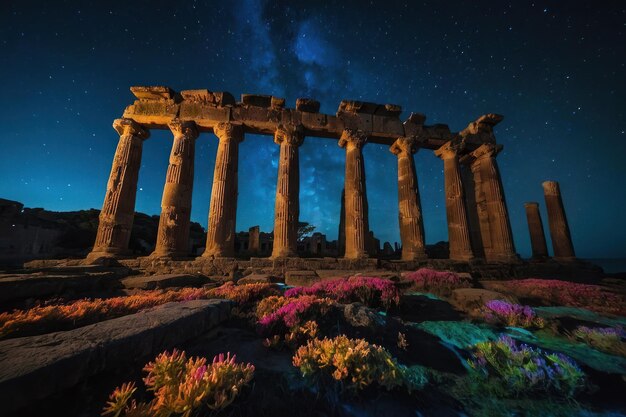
118, 209
173, 234
499, 246
535, 228
220, 240
559, 229
458, 230
409, 205
287, 208
356, 211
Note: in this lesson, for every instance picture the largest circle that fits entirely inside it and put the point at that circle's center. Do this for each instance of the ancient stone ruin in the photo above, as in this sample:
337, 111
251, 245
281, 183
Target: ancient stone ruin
478, 220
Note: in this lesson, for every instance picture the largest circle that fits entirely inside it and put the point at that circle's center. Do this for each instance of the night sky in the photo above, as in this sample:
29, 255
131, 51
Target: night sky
555, 70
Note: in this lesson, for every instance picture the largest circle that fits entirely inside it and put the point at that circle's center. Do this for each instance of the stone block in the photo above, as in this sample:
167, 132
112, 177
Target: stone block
257, 100
201, 112
256, 278
301, 278
307, 105
153, 93
163, 281
36, 367
387, 126
207, 97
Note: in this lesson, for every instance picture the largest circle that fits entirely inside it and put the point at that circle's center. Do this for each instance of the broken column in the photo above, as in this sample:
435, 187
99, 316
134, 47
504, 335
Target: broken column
458, 231
287, 208
535, 228
118, 209
220, 240
173, 233
356, 222
559, 229
409, 205
499, 244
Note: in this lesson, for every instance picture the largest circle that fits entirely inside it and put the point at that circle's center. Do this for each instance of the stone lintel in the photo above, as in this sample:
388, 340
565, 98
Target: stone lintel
307, 105
262, 100
355, 106
210, 98
153, 93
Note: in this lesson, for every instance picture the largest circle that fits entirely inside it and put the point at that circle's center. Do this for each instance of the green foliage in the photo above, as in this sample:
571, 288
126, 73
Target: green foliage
459, 334
508, 369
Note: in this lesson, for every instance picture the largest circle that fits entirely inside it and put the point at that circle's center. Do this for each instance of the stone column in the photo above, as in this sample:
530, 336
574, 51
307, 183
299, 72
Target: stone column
287, 208
559, 229
220, 239
173, 234
118, 209
409, 205
341, 236
356, 222
535, 228
499, 246
458, 230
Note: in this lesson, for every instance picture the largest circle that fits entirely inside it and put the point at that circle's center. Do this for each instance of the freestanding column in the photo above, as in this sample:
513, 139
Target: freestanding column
220, 240
535, 227
458, 231
356, 222
410, 210
173, 234
118, 209
287, 208
501, 246
559, 229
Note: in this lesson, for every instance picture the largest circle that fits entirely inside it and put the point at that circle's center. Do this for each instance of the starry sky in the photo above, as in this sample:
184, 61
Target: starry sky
556, 70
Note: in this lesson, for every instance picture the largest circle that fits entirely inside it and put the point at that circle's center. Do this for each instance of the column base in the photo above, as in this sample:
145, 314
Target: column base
414, 256
353, 256
461, 257
112, 253
169, 255
284, 255
213, 254
507, 258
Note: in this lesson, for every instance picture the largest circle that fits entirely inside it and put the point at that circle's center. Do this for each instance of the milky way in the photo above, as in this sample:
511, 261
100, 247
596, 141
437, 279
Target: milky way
556, 70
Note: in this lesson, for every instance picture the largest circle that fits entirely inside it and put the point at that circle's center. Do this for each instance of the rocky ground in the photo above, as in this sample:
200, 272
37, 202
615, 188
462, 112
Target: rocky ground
70, 334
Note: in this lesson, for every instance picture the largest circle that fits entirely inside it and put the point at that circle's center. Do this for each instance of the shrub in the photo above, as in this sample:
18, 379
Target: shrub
295, 320
181, 386
354, 364
82, 312
502, 312
436, 282
607, 339
511, 369
371, 291
555, 292
269, 305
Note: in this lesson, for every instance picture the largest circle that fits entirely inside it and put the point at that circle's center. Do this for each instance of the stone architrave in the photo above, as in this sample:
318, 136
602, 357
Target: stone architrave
498, 244
356, 210
118, 209
559, 228
458, 230
409, 205
220, 240
287, 206
173, 233
535, 228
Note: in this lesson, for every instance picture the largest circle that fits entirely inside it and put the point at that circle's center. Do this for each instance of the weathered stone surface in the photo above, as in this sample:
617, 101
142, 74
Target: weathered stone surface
559, 228
458, 229
118, 209
157, 93
358, 315
287, 206
151, 282
257, 100
301, 278
35, 367
356, 221
222, 212
535, 228
207, 97
257, 278
173, 233
409, 204
307, 105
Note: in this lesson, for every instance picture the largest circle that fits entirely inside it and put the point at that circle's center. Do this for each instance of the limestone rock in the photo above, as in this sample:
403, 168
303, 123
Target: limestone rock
33, 368
470, 299
301, 278
163, 281
358, 315
256, 278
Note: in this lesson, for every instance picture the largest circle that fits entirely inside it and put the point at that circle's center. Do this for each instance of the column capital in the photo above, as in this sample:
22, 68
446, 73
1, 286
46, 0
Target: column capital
551, 188
293, 134
450, 149
130, 127
406, 145
486, 150
184, 128
531, 204
227, 131
354, 137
